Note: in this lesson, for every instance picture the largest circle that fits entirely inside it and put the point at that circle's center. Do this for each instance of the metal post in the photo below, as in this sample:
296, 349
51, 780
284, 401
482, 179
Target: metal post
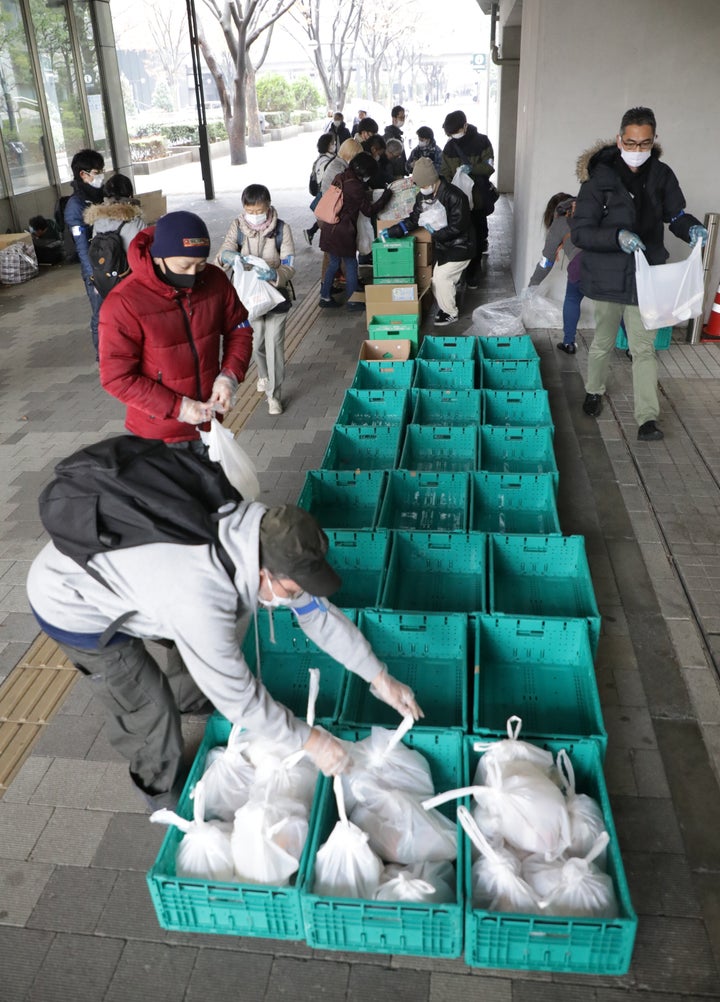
712, 224
205, 165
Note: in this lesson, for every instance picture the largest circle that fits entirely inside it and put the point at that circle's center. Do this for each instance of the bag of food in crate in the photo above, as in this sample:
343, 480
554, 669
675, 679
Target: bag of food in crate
426, 883
402, 202
497, 883
586, 818
511, 749
267, 842
227, 779
345, 865
384, 758
204, 852
574, 887
292, 778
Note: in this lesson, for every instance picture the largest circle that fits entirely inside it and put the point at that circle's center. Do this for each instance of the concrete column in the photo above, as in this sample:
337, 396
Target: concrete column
508, 109
112, 90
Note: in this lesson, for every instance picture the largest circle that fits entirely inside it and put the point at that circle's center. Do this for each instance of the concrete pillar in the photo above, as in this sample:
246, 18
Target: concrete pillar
509, 76
112, 89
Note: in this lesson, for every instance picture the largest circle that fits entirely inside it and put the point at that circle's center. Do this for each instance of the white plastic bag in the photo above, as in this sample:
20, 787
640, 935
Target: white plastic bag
538, 311
497, 882
426, 883
205, 852
382, 757
237, 466
574, 887
669, 294
257, 296
227, 780
365, 234
511, 749
345, 865
292, 779
267, 842
463, 181
434, 215
586, 818
499, 319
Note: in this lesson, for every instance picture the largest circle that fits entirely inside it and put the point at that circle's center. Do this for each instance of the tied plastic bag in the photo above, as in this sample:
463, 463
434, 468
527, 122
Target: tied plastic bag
574, 887
511, 749
434, 215
669, 294
292, 779
497, 883
237, 466
227, 779
586, 818
267, 841
425, 883
465, 183
257, 296
205, 852
383, 758
345, 865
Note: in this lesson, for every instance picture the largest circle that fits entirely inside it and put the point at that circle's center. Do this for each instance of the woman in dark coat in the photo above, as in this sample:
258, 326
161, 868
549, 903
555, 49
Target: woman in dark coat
339, 239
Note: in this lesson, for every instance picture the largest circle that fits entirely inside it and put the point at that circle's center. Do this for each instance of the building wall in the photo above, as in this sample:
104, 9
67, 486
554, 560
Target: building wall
582, 65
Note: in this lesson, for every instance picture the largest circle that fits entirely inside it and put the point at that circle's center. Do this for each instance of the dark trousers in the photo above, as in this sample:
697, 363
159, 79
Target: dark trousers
480, 225
95, 300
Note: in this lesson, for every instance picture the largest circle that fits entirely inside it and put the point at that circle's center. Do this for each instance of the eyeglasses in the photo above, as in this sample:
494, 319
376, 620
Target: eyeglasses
644, 144
290, 593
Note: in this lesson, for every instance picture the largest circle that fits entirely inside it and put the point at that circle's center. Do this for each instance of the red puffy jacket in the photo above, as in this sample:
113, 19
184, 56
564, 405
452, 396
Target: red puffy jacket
159, 344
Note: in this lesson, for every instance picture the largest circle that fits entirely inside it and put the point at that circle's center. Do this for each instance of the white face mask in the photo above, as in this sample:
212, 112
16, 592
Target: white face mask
457, 135
276, 601
257, 219
424, 143
427, 191
97, 181
635, 158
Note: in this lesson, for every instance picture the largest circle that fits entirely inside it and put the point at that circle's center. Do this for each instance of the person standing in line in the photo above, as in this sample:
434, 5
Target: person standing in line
118, 211
627, 195
327, 151
338, 129
88, 171
426, 147
395, 131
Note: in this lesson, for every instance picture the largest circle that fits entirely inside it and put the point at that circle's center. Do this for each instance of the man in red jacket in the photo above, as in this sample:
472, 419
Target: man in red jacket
175, 340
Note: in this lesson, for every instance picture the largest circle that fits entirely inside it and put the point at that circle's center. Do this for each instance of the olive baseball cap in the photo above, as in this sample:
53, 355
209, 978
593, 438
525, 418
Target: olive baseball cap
292, 545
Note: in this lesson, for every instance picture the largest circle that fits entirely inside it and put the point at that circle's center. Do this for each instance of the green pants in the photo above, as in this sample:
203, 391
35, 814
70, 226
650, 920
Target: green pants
641, 344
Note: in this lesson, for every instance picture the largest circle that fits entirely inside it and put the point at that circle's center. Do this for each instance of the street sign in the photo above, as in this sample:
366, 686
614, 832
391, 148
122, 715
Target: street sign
479, 61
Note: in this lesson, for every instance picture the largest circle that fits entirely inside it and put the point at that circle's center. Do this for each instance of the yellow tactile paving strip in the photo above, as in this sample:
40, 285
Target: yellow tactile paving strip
37, 686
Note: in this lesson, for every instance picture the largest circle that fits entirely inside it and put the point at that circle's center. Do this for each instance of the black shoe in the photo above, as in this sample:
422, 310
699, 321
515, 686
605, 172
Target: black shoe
649, 432
329, 304
569, 349
593, 404
444, 319
354, 306
308, 234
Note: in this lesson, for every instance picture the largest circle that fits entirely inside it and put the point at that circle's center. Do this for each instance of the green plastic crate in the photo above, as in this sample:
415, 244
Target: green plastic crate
542, 576
427, 652
507, 347
394, 326
447, 407
540, 669
513, 503
187, 904
284, 663
520, 942
663, 338
393, 257
444, 374
450, 449
360, 558
435, 571
383, 375
394, 280
363, 447
374, 407
424, 502
447, 348
511, 374
516, 408
343, 499
401, 927
518, 450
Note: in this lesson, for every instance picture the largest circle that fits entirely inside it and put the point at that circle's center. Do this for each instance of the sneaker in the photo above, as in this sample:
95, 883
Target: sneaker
472, 283
569, 349
649, 432
262, 384
329, 304
593, 404
444, 319
274, 406
308, 237
354, 307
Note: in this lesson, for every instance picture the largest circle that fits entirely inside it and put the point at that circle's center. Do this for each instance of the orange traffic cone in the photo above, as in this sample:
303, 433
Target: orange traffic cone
711, 330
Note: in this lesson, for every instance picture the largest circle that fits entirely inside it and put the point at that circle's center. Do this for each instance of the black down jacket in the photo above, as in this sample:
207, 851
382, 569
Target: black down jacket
454, 242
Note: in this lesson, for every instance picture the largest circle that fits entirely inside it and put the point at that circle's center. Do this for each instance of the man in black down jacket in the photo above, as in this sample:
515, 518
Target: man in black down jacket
454, 243
627, 195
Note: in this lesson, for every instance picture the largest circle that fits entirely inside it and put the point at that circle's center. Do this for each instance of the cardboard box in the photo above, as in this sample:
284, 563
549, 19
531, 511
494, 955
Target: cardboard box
382, 351
424, 255
385, 299
421, 235
153, 205
423, 278
14, 238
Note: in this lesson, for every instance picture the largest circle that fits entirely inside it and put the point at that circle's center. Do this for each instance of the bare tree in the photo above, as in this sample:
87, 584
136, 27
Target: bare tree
382, 28
434, 73
167, 27
332, 28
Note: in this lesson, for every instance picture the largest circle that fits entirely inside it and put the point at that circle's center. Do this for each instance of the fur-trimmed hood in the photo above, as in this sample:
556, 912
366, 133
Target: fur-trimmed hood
602, 150
120, 212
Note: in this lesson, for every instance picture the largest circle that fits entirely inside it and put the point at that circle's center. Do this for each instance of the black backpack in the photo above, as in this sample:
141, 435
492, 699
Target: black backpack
129, 491
108, 259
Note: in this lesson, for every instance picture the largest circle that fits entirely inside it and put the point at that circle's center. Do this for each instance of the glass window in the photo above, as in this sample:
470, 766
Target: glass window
20, 120
91, 76
52, 36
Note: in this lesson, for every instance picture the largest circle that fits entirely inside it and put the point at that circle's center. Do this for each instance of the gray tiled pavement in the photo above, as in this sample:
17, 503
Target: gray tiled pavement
76, 921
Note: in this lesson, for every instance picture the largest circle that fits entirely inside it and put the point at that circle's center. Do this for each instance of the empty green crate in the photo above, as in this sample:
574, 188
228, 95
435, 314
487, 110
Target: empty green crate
187, 904
521, 942
447, 348
514, 503
343, 499
442, 407
393, 257
444, 374
383, 375
286, 653
435, 571
427, 652
516, 408
663, 338
394, 326
540, 669
392, 927
363, 447
511, 374
542, 576
360, 558
517, 450
450, 449
507, 347
374, 407
424, 502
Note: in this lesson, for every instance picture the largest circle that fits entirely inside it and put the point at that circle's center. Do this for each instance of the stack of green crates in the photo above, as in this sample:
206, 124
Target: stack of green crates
438, 494
394, 264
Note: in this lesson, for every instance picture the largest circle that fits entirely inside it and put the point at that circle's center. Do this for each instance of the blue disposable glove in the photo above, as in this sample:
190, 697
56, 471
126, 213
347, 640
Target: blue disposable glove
429, 228
266, 274
466, 168
629, 242
697, 233
384, 235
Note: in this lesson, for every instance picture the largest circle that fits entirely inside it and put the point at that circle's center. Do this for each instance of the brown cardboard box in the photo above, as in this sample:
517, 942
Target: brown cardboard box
391, 299
421, 235
423, 253
14, 238
423, 277
383, 351
153, 205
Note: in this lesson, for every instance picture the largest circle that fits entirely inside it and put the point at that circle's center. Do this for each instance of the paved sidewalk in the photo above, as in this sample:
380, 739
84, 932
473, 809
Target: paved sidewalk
76, 920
